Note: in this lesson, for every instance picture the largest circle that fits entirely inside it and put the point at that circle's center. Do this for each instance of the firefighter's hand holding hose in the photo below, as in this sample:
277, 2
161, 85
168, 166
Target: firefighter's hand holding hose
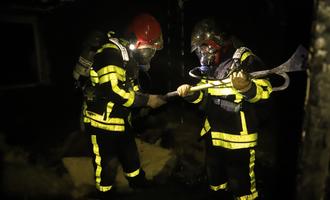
155, 101
183, 90
241, 81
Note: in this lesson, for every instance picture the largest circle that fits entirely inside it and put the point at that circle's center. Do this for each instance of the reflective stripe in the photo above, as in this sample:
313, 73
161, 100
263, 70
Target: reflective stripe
123, 50
108, 127
112, 69
261, 92
103, 188
133, 174
238, 98
252, 174
243, 122
105, 46
130, 95
219, 187
248, 197
233, 145
245, 55
200, 97
111, 77
222, 91
100, 118
94, 77
136, 88
98, 166
234, 138
206, 127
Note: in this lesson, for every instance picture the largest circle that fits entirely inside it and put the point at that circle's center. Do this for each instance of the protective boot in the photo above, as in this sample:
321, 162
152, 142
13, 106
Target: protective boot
109, 195
140, 181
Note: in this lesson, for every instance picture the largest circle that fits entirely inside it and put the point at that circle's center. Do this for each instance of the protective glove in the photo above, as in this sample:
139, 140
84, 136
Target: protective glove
241, 81
183, 90
154, 101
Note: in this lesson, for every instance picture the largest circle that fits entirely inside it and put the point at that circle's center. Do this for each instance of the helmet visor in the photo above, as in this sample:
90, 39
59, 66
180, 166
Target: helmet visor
143, 56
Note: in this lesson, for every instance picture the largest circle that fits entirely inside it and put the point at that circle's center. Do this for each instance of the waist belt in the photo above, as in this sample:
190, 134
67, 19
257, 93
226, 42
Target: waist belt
227, 105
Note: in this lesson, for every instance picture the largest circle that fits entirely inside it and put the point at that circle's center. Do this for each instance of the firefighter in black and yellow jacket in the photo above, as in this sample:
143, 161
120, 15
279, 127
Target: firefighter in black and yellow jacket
111, 95
230, 127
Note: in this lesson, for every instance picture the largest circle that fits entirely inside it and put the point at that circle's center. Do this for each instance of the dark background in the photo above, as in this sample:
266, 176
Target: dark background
41, 41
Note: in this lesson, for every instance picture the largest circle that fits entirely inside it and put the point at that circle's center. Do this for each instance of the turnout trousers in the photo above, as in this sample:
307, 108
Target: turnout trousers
231, 170
109, 147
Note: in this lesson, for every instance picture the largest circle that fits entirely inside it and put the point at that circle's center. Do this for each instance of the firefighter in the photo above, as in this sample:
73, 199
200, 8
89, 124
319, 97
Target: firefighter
230, 128
111, 92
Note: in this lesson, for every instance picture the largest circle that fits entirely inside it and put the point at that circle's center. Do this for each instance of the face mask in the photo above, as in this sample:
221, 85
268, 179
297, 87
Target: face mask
206, 56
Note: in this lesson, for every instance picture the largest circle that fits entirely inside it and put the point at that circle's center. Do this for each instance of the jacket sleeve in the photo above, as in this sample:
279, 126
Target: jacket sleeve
195, 97
261, 88
109, 77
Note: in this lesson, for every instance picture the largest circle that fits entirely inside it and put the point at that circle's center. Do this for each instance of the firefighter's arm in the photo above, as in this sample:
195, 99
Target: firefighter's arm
252, 89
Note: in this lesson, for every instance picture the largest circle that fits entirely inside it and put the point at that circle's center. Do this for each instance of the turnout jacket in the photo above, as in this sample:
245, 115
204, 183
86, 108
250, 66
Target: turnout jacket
230, 120
113, 90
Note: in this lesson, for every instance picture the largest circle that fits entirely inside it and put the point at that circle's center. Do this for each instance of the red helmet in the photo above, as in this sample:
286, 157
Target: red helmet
146, 31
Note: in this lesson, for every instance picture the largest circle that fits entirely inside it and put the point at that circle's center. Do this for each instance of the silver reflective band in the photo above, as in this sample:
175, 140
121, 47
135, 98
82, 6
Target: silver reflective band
227, 105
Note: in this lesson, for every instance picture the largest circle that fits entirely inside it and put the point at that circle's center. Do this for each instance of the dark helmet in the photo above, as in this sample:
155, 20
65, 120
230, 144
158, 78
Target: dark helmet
206, 32
208, 42
145, 37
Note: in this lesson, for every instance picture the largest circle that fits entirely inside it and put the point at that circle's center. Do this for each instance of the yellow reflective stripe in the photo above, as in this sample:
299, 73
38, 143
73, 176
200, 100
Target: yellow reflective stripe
108, 45
111, 77
233, 145
243, 122
105, 74
200, 97
100, 118
103, 188
252, 174
234, 138
238, 97
261, 93
130, 100
133, 174
111, 69
206, 127
98, 166
118, 128
245, 55
136, 88
130, 95
220, 91
219, 187
109, 110
248, 197
93, 77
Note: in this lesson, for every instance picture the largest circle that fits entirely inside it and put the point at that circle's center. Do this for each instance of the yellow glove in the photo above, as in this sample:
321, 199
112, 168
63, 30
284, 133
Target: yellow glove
183, 90
241, 81
155, 101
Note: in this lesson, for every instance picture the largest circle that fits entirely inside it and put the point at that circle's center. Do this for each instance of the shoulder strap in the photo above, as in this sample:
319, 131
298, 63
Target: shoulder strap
123, 50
